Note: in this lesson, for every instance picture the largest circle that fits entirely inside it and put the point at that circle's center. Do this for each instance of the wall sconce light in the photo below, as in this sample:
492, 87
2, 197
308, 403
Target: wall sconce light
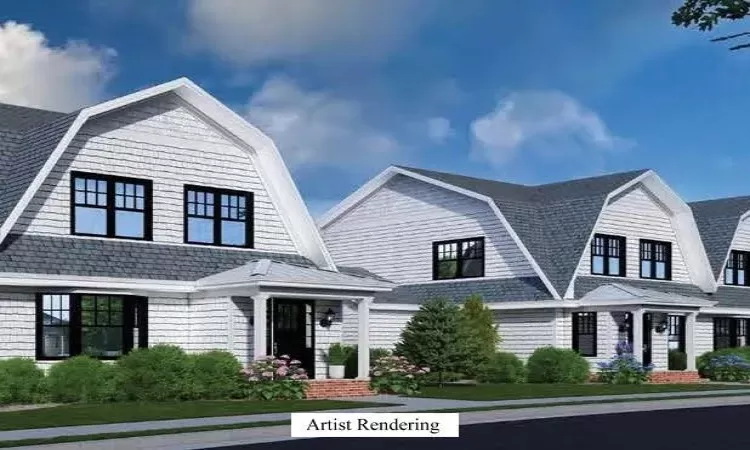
660, 323
326, 321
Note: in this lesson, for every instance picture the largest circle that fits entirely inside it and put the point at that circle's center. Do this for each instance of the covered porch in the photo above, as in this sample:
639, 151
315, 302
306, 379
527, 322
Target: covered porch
652, 322
296, 310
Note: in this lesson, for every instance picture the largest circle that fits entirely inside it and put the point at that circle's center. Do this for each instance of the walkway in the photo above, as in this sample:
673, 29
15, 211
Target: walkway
407, 405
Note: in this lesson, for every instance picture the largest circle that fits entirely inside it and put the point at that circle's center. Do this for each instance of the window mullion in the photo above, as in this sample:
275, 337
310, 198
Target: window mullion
76, 330
217, 218
110, 208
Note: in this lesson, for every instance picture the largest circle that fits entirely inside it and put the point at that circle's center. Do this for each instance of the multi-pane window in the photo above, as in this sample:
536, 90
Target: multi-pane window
101, 326
676, 325
463, 258
735, 272
584, 333
608, 255
108, 206
218, 217
656, 259
730, 332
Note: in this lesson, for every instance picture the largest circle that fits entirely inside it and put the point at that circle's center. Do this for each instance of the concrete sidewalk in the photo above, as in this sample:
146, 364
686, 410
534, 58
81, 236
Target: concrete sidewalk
407, 404
248, 436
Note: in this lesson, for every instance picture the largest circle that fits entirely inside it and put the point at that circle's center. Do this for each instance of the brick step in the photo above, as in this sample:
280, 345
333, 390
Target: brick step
319, 389
675, 377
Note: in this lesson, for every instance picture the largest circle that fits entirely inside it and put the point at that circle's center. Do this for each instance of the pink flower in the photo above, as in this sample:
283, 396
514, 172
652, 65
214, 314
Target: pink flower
267, 374
282, 371
301, 371
284, 357
377, 373
252, 379
295, 362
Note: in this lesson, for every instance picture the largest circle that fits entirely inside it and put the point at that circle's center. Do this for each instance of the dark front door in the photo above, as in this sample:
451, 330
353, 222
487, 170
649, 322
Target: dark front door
647, 324
292, 331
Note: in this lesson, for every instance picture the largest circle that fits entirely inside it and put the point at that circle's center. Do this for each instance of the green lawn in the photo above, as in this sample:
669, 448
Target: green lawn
527, 390
95, 414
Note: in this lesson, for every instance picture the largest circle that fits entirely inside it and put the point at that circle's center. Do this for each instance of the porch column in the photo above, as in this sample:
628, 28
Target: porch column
638, 335
260, 305
690, 320
363, 338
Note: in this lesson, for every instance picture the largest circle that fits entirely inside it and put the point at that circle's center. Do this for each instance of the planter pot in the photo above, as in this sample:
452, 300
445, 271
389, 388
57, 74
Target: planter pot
336, 372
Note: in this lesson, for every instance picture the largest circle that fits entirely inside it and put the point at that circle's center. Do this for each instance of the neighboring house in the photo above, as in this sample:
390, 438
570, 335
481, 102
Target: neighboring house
581, 264
162, 217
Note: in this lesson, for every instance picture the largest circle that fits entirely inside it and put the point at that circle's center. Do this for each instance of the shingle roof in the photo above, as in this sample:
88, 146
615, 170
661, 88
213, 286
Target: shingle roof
492, 291
584, 284
19, 118
717, 222
554, 221
123, 259
730, 296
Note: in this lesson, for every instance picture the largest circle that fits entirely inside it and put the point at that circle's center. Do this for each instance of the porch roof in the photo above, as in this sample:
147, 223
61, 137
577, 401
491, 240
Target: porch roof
623, 294
269, 272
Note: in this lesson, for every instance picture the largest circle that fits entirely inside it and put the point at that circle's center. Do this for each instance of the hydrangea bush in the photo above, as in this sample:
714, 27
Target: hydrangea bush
396, 375
624, 368
275, 378
728, 368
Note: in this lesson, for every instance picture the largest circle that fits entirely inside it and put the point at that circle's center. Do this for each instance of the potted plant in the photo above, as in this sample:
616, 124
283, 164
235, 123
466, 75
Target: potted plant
337, 356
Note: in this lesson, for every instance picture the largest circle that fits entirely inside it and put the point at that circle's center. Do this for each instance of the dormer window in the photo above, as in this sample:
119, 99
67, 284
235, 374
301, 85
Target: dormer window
462, 258
656, 260
608, 255
735, 272
109, 206
218, 217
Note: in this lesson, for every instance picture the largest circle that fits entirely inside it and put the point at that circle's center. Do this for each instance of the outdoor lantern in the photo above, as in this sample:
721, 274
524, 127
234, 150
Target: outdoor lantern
660, 322
326, 321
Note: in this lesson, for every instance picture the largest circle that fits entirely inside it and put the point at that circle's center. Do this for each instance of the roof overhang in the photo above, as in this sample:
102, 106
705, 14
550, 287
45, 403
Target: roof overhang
262, 150
381, 179
616, 294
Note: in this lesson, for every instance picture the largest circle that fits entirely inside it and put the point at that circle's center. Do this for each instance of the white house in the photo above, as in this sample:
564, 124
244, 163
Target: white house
581, 264
163, 217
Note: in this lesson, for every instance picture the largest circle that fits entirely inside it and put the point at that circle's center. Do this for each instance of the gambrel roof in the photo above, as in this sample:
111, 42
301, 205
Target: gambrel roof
717, 221
33, 140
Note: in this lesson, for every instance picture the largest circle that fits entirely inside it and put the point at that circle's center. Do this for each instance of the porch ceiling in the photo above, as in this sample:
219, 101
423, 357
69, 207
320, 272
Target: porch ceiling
276, 273
621, 294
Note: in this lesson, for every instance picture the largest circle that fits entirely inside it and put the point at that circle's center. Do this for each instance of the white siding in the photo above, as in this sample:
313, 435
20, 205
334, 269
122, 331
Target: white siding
210, 324
741, 241
637, 215
324, 337
660, 350
392, 231
704, 334
386, 327
241, 332
168, 321
17, 325
164, 141
522, 332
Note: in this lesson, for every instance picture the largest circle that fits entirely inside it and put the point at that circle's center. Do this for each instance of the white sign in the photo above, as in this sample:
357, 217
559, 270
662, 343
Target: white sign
312, 425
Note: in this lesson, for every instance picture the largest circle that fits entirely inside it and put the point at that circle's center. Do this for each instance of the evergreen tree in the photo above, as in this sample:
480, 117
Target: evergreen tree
478, 334
431, 338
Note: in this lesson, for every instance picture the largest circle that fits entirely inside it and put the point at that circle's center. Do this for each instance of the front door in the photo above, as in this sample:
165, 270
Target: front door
647, 324
292, 331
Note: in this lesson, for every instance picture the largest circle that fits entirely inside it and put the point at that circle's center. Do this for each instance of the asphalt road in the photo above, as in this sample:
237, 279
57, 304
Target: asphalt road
704, 428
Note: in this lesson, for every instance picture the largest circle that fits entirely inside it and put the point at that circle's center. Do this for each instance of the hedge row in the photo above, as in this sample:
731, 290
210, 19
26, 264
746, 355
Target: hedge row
158, 373
545, 365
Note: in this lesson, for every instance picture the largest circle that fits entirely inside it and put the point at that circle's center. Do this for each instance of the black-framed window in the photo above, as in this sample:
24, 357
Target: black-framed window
110, 206
676, 336
461, 258
730, 332
736, 271
584, 333
656, 259
218, 217
101, 326
608, 255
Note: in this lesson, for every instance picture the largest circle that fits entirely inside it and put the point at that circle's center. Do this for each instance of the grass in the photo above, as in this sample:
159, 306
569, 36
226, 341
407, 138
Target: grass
97, 414
491, 392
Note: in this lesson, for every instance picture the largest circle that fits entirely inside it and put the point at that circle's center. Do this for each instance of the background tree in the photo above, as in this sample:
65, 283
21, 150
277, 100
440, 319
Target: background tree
478, 335
431, 338
706, 14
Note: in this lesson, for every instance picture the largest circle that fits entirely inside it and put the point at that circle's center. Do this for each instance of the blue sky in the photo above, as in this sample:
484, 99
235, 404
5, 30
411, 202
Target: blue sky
529, 92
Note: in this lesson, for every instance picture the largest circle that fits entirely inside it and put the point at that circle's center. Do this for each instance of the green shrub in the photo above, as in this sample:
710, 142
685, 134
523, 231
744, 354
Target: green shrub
21, 381
444, 377
81, 379
478, 335
677, 360
556, 365
216, 375
352, 362
338, 354
431, 338
158, 373
703, 360
503, 367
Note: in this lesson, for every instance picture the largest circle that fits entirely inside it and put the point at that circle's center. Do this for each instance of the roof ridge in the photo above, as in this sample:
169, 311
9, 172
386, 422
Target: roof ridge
719, 199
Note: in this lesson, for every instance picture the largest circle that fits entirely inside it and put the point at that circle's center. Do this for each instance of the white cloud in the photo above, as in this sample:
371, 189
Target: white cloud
542, 121
254, 31
59, 78
317, 128
439, 129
